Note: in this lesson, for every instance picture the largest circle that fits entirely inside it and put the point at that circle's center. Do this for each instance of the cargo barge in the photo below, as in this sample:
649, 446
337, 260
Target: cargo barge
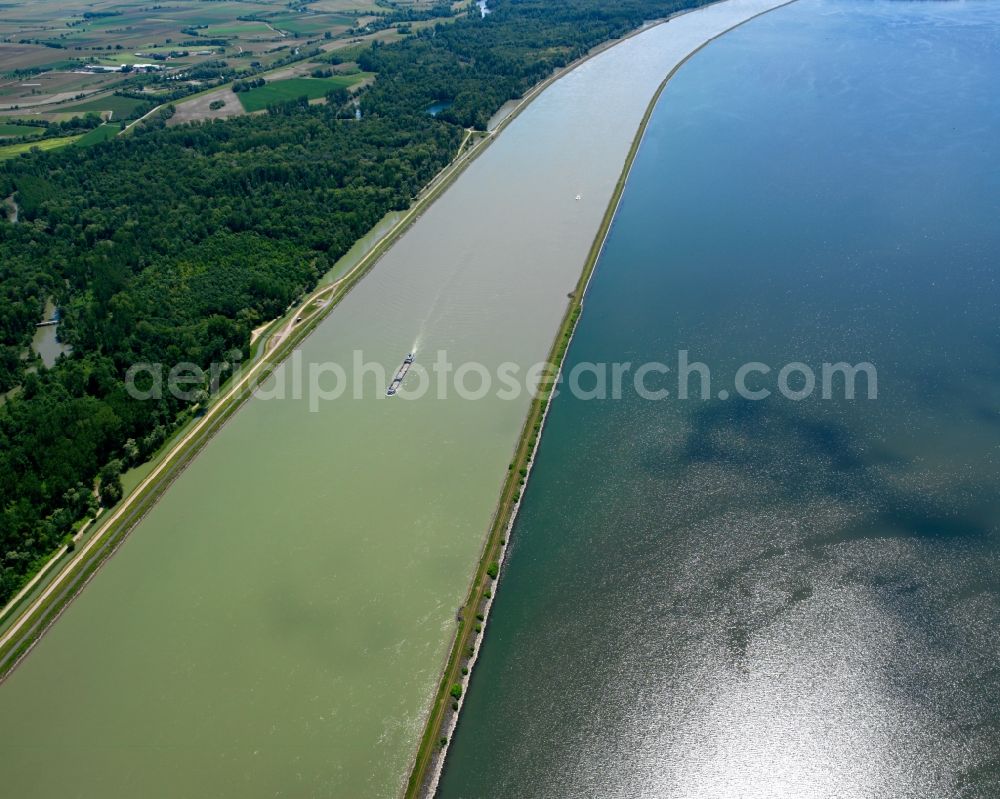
404, 367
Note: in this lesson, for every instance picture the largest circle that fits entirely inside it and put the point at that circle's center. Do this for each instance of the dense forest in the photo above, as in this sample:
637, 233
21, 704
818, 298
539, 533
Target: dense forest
172, 244
476, 64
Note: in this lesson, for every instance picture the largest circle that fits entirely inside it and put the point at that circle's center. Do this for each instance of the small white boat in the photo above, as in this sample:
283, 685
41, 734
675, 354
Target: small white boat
579, 197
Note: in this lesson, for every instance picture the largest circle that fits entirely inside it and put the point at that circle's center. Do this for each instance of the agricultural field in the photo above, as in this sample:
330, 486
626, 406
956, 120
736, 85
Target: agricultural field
49, 87
174, 57
65, 58
97, 135
305, 25
29, 56
120, 107
292, 88
250, 31
78, 27
10, 131
219, 104
352, 6
14, 150
94, 136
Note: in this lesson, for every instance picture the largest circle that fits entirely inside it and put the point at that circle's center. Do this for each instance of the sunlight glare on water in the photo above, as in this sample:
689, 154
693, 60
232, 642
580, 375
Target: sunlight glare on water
726, 599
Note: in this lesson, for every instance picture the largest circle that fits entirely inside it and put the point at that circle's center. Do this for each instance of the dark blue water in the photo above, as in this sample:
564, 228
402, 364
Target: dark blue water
776, 598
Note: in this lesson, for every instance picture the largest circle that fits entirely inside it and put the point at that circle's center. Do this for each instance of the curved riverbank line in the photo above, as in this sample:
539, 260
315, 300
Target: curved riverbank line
445, 712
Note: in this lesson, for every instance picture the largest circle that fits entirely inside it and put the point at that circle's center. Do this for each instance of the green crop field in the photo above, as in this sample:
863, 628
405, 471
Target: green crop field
98, 134
349, 6
311, 24
291, 89
8, 130
13, 150
122, 106
241, 30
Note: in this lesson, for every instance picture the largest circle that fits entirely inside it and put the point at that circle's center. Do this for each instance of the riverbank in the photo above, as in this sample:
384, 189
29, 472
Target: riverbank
446, 710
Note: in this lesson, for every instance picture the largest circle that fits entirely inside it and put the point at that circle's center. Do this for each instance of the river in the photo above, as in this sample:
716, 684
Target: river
277, 624
775, 598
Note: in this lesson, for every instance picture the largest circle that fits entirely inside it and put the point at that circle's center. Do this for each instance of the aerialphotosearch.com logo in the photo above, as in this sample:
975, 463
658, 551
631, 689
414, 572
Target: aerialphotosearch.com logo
471, 380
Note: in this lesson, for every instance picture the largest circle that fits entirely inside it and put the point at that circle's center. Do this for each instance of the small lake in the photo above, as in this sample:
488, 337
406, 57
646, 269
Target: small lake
45, 343
437, 108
